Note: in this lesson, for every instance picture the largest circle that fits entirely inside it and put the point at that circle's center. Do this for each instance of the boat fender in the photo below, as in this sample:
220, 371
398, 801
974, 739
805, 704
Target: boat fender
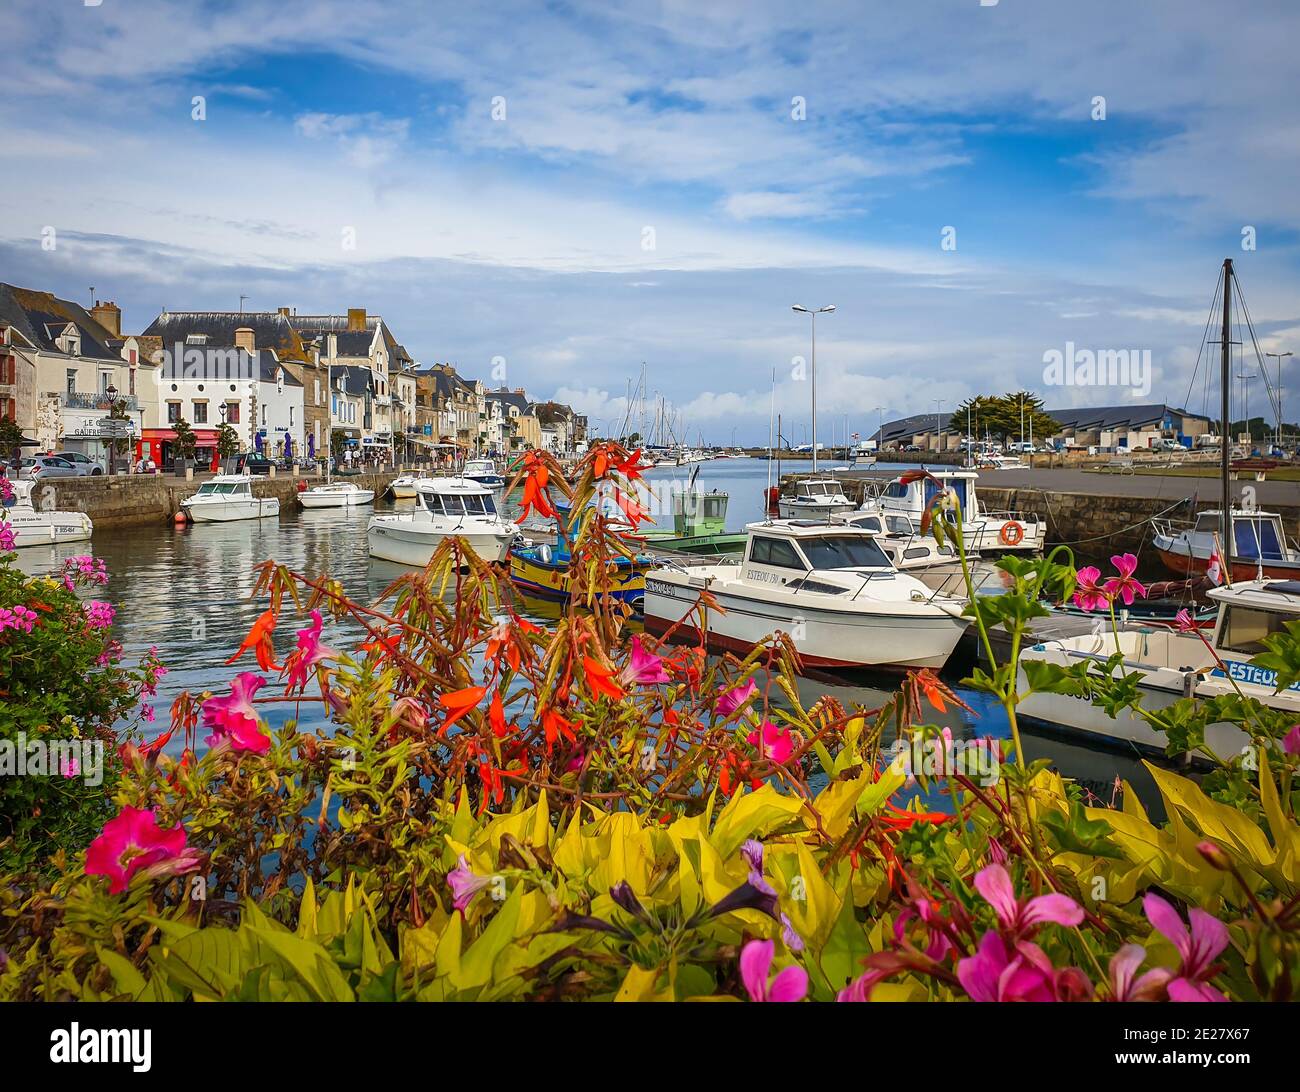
181, 517
544, 554
1012, 534
302, 485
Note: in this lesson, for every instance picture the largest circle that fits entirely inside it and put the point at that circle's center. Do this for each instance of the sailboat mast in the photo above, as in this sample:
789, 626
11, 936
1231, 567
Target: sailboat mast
1226, 369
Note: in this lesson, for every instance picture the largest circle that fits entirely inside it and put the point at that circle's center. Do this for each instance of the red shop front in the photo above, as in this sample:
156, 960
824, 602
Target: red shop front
157, 444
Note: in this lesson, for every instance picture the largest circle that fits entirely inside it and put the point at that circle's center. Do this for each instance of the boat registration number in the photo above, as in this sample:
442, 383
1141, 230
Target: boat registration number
658, 587
1249, 673
762, 577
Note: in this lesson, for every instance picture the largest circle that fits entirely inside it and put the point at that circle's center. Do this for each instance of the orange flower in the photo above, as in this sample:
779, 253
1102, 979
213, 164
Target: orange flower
259, 639
497, 716
458, 703
600, 680
555, 726
631, 466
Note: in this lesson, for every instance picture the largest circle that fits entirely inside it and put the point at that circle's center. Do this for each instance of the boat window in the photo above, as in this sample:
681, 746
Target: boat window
916, 551
868, 523
1256, 538
899, 525
713, 507
844, 552
896, 489
432, 502
775, 551
489, 506
1244, 629
473, 504
451, 504
1207, 522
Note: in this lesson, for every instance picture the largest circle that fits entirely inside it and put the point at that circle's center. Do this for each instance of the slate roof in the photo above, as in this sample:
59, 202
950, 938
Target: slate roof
41, 316
356, 379
510, 398
1111, 417
271, 330
357, 342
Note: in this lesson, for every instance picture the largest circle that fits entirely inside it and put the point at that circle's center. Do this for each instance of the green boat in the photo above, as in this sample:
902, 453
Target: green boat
699, 526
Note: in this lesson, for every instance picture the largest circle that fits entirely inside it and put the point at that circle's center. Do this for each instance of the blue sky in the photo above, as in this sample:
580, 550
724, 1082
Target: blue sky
524, 237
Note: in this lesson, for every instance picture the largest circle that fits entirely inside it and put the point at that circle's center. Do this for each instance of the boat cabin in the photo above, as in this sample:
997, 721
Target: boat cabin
1249, 612
819, 490
1256, 535
912, 498
227, 485
787, 550
455, 497
700, 513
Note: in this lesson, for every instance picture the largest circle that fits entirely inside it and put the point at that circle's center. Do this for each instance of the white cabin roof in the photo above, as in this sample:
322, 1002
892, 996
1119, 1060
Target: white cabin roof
807, 528
1281, 596
229, 479
456, 486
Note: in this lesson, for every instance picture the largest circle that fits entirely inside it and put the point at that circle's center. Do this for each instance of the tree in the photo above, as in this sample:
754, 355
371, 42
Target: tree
1005, 416
11, 438
186, 441
227, 442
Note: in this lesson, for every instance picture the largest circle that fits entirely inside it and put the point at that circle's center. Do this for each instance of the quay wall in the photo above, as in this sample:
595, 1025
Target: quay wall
134, 500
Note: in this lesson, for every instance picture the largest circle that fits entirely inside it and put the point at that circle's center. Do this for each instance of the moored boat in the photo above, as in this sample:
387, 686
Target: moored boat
40, 527
447, 508
815, 499
483, 471
830, 587
403, 486
335, 495
226, 498
699, 525
1261, 546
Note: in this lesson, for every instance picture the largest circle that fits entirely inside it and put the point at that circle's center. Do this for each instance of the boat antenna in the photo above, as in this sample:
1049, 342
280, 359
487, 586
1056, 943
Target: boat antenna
771, 418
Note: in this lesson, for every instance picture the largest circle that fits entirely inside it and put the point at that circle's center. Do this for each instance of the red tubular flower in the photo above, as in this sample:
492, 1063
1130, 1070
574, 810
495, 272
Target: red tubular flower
458, 703
600, 680
556, 726
259, 640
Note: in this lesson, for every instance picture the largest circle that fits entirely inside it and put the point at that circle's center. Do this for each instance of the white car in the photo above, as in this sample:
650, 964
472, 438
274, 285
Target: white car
85, 465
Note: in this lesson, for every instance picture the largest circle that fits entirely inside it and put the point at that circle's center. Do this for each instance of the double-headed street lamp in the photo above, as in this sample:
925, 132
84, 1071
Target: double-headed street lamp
1279, 357
813, 315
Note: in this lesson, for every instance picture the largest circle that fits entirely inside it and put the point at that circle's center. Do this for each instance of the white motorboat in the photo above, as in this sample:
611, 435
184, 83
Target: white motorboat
403, 487
815, 499
483, 471
1174, 665
228, 497
982, 532
41, 527
335, 495
447, 508
830, 587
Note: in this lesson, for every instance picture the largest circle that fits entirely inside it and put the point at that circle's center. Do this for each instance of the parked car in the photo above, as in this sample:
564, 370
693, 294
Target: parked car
47, 466
84, 463
254, 463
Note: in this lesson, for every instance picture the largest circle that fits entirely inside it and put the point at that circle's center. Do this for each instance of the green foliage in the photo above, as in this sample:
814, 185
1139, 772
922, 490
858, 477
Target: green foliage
227, 441
185, 442
1000, 417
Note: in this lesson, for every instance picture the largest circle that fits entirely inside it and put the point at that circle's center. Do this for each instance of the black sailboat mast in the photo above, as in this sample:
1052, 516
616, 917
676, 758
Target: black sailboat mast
1224, 465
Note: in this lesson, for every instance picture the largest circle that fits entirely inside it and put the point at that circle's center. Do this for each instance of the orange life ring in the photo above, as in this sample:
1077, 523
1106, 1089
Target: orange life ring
1012, 534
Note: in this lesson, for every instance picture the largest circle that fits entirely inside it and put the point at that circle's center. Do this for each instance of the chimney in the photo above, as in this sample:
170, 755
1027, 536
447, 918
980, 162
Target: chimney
519, 390
245, 339
109, 316
332, 346
356, 318
284, 311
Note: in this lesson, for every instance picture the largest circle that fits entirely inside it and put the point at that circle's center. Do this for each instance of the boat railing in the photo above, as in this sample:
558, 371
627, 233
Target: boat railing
1171, 527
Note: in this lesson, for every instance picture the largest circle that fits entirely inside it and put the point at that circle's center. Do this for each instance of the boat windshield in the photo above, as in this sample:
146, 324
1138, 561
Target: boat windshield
844, 552
451, 504
479, 466
209, 489
1256, 538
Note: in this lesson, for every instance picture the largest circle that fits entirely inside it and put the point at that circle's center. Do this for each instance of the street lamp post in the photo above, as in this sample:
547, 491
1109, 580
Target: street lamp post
938, 413
1279, 357
111, 391
813, 315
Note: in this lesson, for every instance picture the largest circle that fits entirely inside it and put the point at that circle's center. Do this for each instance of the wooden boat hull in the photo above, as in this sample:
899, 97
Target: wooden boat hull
1190, 565
550, 580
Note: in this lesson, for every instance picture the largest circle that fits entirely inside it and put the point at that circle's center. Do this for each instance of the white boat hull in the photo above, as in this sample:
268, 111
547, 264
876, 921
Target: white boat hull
335, 498
402, 540
230, 510
824, 636
33, 528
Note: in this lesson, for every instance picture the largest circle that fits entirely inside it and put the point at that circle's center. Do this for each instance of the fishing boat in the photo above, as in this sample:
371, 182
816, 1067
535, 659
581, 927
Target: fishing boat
335, 495
483, 471
1261, 544
446, 508
815, 499
226, 498
982, 531
830, 587
1175, 665
40, 527
403, 487
699, 524
542, 570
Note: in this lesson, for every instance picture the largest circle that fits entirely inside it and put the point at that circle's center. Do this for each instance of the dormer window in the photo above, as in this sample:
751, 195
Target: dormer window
196, 339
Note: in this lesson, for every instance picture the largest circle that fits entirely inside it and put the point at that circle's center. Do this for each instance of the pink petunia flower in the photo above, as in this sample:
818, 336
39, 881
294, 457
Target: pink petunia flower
1088, 594
465, 883
734, 698
1023, 918
643, 668
133, 841
1124, 586
790, 984
1198, 947
233, 718
1291, 741
777, 743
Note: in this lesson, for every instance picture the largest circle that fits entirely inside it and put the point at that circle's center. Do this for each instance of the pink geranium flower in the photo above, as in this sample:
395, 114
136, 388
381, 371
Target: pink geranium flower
7, 536
1023, 918
310, 652
790, 984
1088, 594
734, 698
777, 743
133, 841
1291, 741
1198, 947
99, 614
1125, 985
643, 668
233, 718
1124, 586
1020, 973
